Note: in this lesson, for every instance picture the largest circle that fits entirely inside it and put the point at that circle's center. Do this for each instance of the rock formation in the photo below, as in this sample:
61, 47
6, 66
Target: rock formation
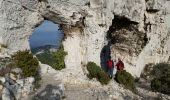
86, 23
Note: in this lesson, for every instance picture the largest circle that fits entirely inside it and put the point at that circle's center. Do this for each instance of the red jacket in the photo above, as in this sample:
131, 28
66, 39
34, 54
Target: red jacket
120, 66
110, 64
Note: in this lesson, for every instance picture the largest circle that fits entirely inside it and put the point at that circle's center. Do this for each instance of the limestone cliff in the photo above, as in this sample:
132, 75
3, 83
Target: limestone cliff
86, 23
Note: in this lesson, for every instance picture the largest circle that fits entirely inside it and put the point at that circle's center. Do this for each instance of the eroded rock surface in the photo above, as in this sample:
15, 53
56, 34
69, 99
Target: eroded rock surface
86, 24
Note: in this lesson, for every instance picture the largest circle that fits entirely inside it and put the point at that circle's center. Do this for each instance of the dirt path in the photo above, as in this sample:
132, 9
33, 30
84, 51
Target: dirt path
72, 91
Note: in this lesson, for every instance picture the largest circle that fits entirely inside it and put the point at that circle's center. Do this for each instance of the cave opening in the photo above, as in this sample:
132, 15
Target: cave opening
119, 23
124, 37
46, 44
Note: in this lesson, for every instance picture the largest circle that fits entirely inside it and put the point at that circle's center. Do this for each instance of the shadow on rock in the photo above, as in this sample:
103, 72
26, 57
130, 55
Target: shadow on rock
104, 56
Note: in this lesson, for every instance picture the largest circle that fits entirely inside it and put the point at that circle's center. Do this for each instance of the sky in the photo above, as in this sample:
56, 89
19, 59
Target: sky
46, 33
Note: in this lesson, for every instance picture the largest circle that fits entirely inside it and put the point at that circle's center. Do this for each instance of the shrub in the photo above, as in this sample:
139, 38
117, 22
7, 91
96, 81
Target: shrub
37, 81
26, 61
160, 70
59, 56
96, 72
146, 73
126, 79
161, 81
103, 78
46, 58
54, 59
93, 70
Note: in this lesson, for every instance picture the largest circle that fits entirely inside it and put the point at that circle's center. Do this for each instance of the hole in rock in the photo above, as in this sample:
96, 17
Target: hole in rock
46, 44
119, 23
124, 37
152, 10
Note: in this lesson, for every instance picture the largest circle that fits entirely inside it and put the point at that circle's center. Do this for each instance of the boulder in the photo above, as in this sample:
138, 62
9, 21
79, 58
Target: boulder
6, 94
29, 80
13, 77
20, 82
2, 79
1, 87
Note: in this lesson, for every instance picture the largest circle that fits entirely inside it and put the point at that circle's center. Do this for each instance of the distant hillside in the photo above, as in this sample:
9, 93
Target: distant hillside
41, 49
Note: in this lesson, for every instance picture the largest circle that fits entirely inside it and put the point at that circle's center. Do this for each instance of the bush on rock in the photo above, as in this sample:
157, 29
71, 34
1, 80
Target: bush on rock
26, 61
96, 72
126, 79
161, 81
54, 59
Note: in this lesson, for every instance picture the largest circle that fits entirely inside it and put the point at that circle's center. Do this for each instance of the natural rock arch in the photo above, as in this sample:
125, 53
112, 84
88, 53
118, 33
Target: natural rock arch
85, 24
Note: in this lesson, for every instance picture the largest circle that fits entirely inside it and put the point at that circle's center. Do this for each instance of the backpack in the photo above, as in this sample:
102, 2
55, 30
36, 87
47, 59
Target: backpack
109, 64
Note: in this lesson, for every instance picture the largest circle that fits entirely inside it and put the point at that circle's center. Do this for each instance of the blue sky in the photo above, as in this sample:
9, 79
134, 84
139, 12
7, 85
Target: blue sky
46, 33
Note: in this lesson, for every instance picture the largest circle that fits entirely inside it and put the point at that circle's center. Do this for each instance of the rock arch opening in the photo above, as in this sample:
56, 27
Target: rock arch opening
46, 44
47, 36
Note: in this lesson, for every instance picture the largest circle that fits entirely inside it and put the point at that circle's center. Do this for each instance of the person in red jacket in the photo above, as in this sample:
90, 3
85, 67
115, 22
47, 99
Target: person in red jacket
120, 65
110, 65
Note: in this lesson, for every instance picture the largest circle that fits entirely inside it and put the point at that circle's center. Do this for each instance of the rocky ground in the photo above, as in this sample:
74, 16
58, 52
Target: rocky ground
55, 88
56, 85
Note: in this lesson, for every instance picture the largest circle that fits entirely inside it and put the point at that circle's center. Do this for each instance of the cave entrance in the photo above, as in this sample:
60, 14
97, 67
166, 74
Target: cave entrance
124, 39
125, 36
46, 44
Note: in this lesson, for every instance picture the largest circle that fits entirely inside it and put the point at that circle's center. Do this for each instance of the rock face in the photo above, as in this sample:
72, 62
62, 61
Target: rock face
86, 24
16, 89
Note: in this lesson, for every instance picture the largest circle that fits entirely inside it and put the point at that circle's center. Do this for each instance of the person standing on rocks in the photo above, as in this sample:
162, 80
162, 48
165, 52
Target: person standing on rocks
120, 65
110, 65
104, 56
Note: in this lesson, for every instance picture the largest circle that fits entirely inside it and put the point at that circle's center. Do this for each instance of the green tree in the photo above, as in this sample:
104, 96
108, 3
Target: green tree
26, 61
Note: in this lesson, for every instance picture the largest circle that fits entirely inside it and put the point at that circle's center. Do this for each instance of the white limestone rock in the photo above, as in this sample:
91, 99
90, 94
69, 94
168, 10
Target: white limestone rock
1, 87
85, 24
13, 77
44, 69
2, 79
93, 18
29, 80
20, 82
6, 94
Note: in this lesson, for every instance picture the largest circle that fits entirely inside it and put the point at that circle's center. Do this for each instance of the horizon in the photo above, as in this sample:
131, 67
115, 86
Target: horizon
46, 33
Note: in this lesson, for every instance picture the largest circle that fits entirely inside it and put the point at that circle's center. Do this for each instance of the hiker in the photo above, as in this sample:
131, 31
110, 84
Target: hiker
104, 56
110, 66
120, 65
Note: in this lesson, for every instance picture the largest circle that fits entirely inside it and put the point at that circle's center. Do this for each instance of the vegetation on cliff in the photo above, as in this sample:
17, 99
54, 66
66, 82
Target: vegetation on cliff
54, 59
96, 72
161, 78
26, 61
126, 79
